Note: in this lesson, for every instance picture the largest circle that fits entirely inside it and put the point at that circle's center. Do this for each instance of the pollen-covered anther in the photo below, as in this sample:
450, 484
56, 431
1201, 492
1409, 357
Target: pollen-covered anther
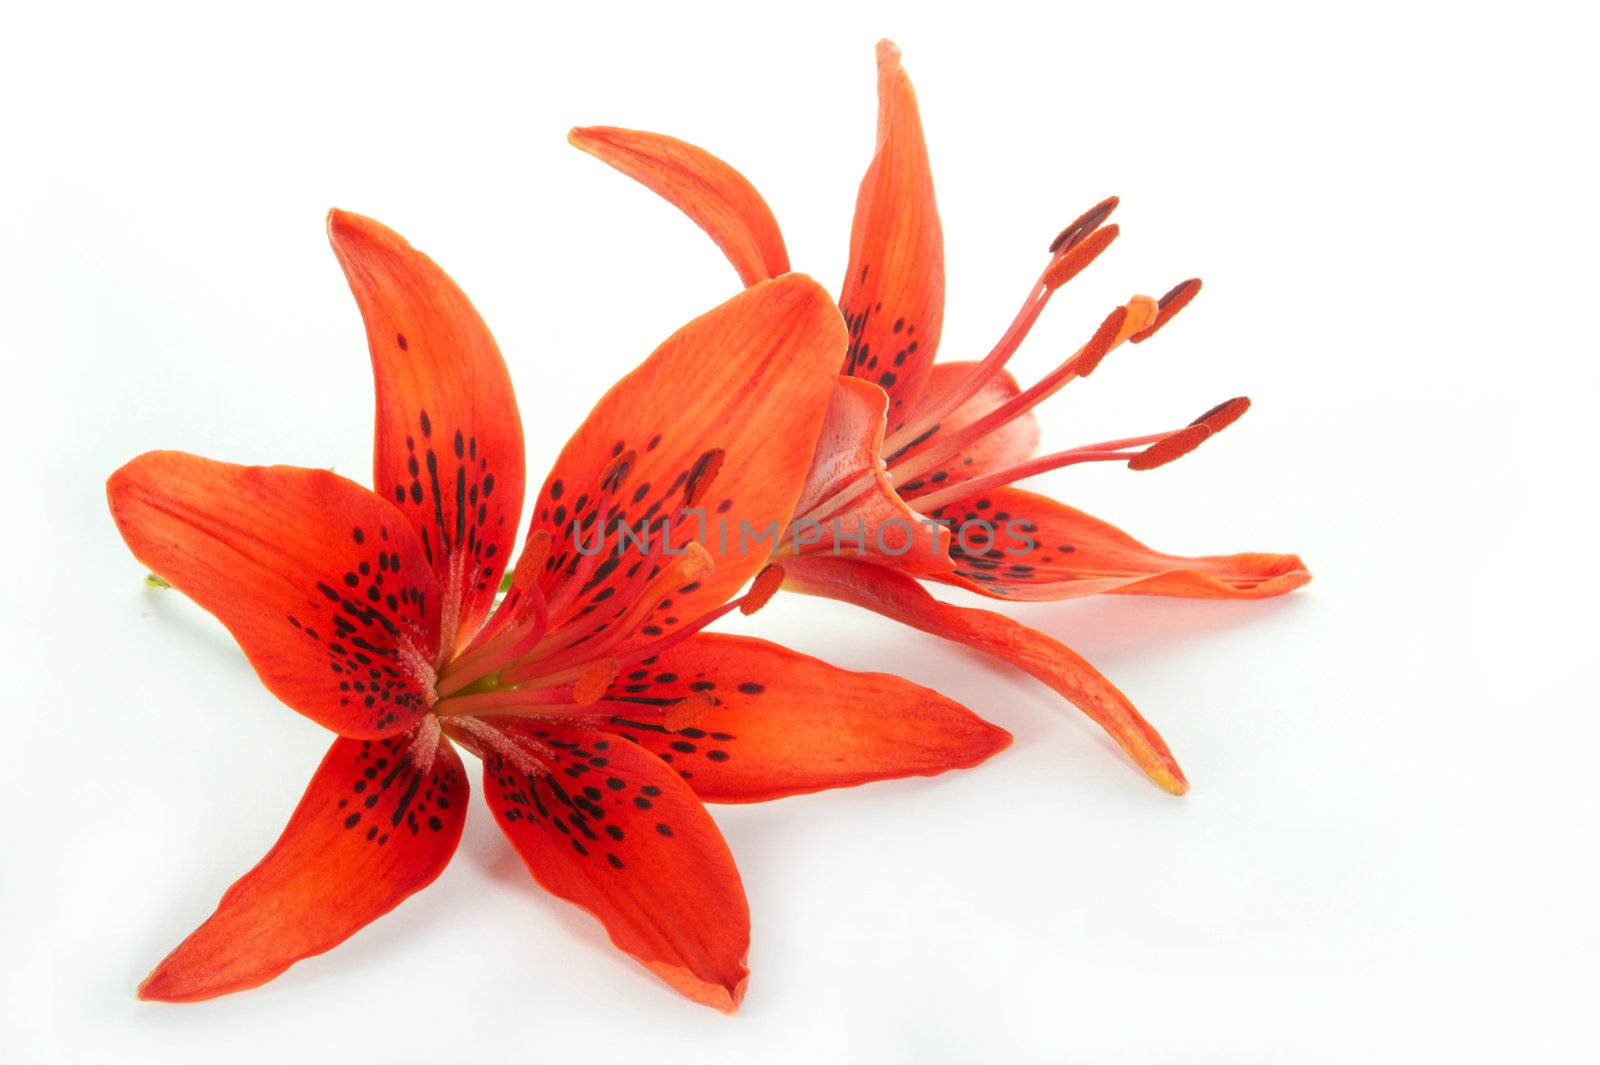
536, 549
1168, 307
694, 563
418, 666
687, 711
527, 754
616, 474
704, 471
1171, 447
1223, 414
1071, 263
1104, 339
593, 681
762, 589
1083, 225
425, 744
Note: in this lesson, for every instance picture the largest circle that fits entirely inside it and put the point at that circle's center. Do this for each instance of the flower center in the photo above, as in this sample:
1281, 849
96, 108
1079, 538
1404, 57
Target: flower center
925, 459
541, 653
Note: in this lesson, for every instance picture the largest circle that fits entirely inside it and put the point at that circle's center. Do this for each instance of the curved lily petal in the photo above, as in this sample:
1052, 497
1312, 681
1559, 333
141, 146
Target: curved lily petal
324, 584
449, 438
378, 823
777, 723
1075, 554
1013, 442
893, 296
608, 826
713, 194
849, 504
897, 596
712, 432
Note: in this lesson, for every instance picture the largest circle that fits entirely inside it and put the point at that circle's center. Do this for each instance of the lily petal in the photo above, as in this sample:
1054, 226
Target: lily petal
897, 596
781, 723
849, 503
449, 438
324, 584
1013, 442
893, 296
378, 823
720, 420
713, 194
1075, 554
608, 826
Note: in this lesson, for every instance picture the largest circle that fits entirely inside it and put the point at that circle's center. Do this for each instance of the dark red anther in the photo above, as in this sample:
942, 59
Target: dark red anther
1070, 264
617, 473
1168, 307
762, 589
1169, 448
1085, 224
1103, 340
1223, 414
704, 471
594, 680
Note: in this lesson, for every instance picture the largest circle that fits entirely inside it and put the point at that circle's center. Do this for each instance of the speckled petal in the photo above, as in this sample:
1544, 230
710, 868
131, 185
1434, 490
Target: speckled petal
782, 723
378, 823
1045, 550
608, 826
323, 584
713, 194
893, 297
448, 444
710, 438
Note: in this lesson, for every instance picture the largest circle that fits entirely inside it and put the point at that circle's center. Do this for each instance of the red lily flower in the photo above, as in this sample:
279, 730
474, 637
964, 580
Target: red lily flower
921, 456
602, 713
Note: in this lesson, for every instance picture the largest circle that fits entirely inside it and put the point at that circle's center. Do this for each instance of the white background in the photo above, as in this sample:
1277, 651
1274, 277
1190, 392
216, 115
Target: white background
1390, 850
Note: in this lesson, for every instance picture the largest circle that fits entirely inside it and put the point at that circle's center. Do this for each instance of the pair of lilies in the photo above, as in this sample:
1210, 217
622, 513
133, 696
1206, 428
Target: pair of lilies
580, 674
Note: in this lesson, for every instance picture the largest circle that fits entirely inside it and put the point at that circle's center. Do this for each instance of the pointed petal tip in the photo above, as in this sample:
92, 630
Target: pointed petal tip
987, 740
1000, 740
1171, 780
586, 137
161, 986
348, 230
1285, 574
339, 220
887, 51
723, 997
799, 284
345, 228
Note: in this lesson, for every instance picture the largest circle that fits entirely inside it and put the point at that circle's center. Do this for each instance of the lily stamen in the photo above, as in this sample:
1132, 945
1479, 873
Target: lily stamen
761, 590
575, 575
527, 754
502, 701
1072, 251
557, 694
1139, 452
535, 610
523, 594
647, 574
1138, 314
519, 638
546, 661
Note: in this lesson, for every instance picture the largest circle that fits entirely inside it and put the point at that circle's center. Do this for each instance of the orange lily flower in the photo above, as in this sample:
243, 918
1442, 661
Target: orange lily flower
917, 459
604, 716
